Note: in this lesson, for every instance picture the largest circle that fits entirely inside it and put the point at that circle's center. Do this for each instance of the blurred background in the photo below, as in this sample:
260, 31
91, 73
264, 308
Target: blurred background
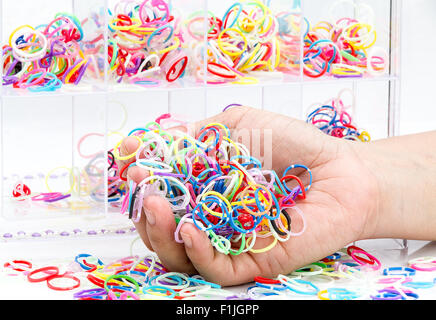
418, 104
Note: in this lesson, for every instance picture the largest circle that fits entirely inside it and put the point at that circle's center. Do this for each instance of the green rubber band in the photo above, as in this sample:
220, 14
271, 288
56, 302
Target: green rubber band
128, 278
114, 53
218, 241
348, 56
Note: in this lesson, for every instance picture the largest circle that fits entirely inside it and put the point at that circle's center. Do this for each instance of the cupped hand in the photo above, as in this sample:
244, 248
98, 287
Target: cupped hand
340, 207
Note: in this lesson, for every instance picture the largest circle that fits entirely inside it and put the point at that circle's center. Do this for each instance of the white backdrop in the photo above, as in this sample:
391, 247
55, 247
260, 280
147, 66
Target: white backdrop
418, 102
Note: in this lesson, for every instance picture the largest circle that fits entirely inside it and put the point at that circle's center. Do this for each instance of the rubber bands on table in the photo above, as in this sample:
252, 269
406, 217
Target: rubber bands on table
135, 277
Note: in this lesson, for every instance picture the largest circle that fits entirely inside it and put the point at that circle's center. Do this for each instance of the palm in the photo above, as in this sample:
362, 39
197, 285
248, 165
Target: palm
336, 206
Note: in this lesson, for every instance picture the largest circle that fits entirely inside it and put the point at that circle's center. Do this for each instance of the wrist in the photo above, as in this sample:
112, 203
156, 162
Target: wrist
404, 182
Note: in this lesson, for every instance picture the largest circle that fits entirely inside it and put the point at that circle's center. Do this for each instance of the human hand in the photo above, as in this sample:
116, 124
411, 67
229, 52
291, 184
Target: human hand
340, 206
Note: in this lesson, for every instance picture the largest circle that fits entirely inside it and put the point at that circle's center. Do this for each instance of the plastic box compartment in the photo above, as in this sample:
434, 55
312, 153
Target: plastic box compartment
376, 20
47, 16
165, 53
53, 144
241, 40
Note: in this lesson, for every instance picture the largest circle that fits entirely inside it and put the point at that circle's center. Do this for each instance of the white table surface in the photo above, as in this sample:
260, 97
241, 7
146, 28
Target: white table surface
61, 253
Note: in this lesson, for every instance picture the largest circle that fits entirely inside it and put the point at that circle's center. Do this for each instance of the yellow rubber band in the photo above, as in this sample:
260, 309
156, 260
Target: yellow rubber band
321, 293
16, 30
72, 180
221, 197
232, 54
277, 53
246, 80
116, 151
74, 70
238, 152
171, 48
256, 64
364, 136
268, 248
137, 24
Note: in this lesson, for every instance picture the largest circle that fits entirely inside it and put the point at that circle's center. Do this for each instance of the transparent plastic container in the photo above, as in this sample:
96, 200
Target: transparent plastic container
41, 131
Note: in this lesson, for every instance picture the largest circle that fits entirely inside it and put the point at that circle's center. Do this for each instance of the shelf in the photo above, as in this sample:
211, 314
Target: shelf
385, 21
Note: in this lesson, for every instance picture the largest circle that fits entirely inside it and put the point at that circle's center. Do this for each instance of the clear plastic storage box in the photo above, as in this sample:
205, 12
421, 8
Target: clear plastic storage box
58, 141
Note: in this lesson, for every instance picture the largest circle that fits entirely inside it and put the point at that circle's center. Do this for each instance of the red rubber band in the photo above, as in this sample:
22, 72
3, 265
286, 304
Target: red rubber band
222, 75
307, 73
26, 263
303, 190
52, 272
69, 276
124, 169
350, 250
266, 280
92, 266
173, 69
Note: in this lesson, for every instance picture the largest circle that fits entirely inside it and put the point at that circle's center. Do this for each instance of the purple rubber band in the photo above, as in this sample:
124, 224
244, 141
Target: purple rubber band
90, 293
165, 174
232, 105
58, 198
148, 264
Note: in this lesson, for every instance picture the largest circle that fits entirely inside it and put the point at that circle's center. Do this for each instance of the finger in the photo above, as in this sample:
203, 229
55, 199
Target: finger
141, 228
214, 266
137, 174
160, 228
127, 147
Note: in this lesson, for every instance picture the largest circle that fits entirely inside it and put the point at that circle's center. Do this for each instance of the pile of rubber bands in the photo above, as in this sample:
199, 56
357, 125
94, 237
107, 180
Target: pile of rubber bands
349, 274
210, 181
332, 118
145, 43
250, 39
344, 47
150, 42
47, 56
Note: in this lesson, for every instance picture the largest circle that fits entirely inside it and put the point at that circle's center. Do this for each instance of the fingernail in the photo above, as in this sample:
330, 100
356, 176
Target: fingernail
151, 218
187, 240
